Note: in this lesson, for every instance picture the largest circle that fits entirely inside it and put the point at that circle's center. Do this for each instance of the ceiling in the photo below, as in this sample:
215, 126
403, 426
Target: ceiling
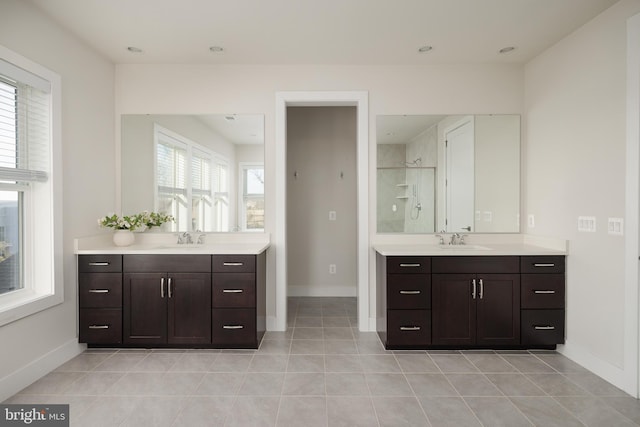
383, 32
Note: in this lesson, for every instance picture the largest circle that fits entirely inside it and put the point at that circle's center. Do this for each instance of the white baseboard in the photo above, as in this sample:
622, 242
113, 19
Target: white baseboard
33, 371
611, 373
322, 291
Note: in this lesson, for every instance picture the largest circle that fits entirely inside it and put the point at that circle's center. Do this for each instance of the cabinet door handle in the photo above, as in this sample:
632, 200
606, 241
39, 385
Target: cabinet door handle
98, 326
232, 327
98, 291
544, 292
544, 264
409, 265
170, 289
409, 292
473, 292
481, 289
544, 328
99, 264
232, 291
233, 264
409, 328
162, 288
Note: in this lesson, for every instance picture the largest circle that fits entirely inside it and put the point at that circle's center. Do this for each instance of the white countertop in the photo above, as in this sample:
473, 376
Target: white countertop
515, 245
165, 243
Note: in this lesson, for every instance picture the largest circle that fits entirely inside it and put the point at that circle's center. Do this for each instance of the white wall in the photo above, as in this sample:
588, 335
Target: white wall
34, 345
244, 89
321, 145
574, 164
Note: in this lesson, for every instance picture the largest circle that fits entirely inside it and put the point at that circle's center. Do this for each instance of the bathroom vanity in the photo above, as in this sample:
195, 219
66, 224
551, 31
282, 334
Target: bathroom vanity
159, 295
494, 296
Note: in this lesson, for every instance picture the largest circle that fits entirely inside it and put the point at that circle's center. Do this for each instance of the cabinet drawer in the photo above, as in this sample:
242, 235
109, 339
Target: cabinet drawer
542, 291
234, 290
100, 326
408, 265
99, 263
164, 263
408, 327
233, 326
409, 291
100, 290
542, 264
476, 264
542, 327
234, 264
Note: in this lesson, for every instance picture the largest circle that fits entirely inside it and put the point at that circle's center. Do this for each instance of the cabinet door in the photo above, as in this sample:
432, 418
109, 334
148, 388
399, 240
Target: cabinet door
145, 308
453, 309
189, 304
498, 309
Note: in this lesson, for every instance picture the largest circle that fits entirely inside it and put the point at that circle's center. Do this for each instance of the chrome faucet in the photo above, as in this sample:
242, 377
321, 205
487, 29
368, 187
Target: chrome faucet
200, 240
184, 238
455, 239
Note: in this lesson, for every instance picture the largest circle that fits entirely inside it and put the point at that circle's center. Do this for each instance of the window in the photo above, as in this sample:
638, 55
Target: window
252, 200
190, 183
30, 276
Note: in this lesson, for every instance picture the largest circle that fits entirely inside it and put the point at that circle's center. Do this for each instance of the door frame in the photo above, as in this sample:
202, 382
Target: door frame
631, 366
359, 99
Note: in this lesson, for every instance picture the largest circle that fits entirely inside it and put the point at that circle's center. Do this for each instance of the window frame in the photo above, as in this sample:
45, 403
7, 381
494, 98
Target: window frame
189, 146
242, 196
44, 284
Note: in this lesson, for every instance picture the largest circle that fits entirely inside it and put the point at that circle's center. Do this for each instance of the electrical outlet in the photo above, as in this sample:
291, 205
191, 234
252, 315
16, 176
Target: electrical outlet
487, 216
332, 269
531, 221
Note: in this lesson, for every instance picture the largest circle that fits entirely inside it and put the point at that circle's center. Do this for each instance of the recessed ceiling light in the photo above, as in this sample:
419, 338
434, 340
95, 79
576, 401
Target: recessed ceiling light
424, 49
507, 49
134, 49
216, 49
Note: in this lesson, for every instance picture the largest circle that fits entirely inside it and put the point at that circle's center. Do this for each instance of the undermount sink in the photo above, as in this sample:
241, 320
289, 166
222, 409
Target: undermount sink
464, 247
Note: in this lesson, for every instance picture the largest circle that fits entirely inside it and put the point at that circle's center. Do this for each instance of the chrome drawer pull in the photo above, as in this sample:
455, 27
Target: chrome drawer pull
98, 326
162, 287
233, 327
544, 328
409, 265
544, 292
473, 292
99, 264
409, 328
232, 291
409, 292
544, 265
233, 264
169, 288
98, 291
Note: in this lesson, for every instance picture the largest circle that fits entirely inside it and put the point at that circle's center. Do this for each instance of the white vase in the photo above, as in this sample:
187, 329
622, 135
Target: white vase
123, 237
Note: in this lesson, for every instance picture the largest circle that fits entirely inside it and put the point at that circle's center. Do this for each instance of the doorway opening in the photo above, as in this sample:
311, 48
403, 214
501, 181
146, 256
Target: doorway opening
286, 174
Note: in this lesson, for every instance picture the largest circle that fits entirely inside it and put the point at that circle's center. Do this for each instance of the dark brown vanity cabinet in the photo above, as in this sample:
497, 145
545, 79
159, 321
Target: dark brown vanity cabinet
543, 300
476, 301
407, 298
167, 299
100, 299
238, 300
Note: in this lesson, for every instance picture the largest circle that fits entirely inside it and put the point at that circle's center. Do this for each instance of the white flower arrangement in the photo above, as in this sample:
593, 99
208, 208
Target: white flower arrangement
132, 222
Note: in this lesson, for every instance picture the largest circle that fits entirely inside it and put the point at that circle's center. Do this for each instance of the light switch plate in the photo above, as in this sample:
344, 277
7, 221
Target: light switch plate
332, 215
587, 224
487, 216
615, 226
531, 221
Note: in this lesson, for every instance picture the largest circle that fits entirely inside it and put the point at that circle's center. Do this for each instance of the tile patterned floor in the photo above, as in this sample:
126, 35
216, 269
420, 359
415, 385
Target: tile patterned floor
324, 372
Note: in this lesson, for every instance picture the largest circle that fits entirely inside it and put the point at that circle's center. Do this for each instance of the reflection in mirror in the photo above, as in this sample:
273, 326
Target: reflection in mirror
458, 173
205, 170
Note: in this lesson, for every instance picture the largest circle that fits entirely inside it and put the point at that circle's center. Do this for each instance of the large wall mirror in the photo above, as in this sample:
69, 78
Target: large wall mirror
458, 173
205, 170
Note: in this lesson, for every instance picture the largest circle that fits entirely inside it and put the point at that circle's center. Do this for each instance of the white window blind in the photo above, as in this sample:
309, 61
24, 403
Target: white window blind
25, 132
